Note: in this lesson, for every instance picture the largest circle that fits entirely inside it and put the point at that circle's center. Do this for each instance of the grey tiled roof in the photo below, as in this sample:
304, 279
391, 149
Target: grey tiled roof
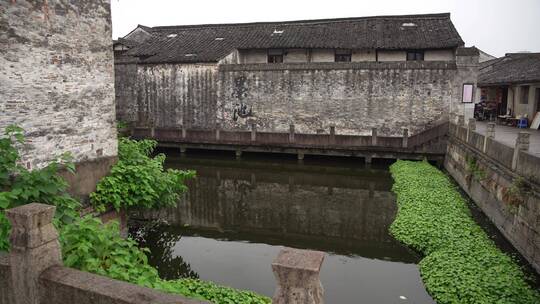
211, 42
511, 69
467, 51
126, 42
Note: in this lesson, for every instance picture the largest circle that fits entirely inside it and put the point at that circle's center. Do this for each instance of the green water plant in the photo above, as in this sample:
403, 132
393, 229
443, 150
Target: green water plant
461, 263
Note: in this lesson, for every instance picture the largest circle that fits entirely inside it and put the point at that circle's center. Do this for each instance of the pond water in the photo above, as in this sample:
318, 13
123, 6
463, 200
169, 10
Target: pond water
238, 214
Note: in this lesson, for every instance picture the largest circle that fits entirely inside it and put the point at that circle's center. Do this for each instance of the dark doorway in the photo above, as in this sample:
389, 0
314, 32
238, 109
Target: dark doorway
537, 94
503, 107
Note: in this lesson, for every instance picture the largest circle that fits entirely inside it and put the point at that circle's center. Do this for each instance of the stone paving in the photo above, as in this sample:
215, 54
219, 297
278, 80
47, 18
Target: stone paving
507, 135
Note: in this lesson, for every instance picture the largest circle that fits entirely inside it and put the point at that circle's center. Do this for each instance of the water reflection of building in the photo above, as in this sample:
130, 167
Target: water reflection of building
315, 207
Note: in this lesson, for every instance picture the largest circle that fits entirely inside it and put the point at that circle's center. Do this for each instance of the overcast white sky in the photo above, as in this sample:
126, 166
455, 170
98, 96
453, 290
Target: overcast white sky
495, 26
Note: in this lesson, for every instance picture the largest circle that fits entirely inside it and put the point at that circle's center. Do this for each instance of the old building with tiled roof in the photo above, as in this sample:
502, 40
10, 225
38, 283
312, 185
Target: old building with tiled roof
512, 84
388, 72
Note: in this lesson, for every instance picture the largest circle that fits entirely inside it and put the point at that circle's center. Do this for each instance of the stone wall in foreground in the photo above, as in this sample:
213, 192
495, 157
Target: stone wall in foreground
57, 78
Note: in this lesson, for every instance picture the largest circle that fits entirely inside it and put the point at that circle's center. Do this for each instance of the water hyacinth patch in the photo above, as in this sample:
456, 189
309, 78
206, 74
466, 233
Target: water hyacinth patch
461, 263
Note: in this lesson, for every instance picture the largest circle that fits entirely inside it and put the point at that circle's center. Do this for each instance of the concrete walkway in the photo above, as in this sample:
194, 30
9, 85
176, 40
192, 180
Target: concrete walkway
507, 135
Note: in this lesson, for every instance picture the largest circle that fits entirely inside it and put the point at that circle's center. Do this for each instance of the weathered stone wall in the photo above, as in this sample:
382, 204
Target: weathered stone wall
56, 77
5, 280
355, 97
125, 85
467, 72
491, 183
175, 95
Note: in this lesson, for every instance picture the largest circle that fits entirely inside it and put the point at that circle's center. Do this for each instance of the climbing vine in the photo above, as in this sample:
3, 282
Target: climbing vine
517, 193
474, 169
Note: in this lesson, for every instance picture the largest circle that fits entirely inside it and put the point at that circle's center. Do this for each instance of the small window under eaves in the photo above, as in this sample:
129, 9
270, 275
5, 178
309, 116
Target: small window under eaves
275, 55
342, 55
415, 55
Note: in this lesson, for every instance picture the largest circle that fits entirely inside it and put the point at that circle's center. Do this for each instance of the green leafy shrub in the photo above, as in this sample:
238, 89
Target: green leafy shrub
4, 232
210, 291
139, 180
461, 263
19, 186
91, 246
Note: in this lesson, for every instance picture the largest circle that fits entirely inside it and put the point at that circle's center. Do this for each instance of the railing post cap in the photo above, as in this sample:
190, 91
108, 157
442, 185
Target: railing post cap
305, 260
31, 216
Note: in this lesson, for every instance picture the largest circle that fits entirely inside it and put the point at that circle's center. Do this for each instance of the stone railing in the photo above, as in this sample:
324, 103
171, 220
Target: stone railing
32, 272
517, 159
294, 139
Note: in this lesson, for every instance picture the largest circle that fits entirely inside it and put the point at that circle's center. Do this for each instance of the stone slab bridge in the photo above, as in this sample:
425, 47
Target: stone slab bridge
430, 143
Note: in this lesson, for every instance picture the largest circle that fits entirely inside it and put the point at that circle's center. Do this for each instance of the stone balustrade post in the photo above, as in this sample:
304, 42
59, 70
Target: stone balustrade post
461, 120
452, 117
522, 144
297, 275
405, 141
373, 136
184, 131
253, 132
332, 134
34, 248
218, 132
152, 132
471, 126
490, 133
291, 133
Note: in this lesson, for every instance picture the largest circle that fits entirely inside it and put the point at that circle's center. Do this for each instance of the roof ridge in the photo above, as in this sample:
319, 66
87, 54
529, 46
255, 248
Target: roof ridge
521, 54
305, 21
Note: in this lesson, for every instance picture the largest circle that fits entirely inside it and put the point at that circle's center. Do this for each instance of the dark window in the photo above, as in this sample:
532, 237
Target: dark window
342, 56
524, 95
275, 56
537, 100
415, 55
